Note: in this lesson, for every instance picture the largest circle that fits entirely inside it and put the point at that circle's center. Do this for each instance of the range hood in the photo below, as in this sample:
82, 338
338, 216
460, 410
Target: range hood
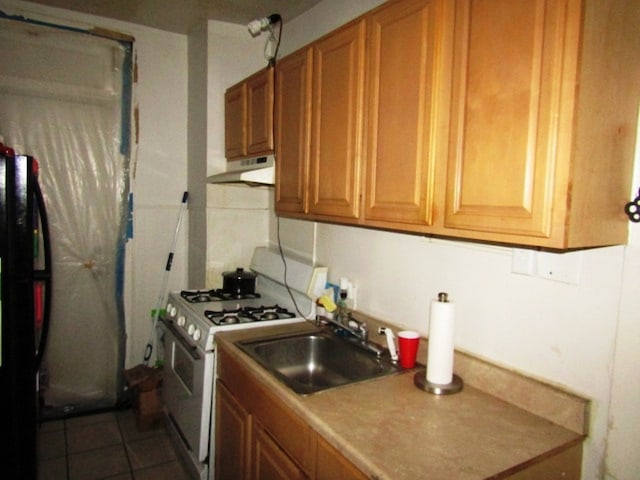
252, 171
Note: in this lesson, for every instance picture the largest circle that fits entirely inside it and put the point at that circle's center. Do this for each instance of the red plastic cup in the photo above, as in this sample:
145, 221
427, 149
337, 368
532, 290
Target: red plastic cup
408, 341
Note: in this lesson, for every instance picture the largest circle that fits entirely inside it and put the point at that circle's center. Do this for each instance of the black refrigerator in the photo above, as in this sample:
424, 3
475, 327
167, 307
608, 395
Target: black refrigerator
25, 265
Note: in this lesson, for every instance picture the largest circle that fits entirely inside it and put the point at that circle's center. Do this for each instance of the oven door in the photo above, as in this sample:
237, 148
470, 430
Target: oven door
187, 389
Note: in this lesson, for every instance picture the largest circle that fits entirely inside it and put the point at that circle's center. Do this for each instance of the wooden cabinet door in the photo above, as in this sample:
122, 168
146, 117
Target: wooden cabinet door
235, 120
293, 109
402, 110
232, 437
505, 116
336, 122
269, 461
331, 464
259, 93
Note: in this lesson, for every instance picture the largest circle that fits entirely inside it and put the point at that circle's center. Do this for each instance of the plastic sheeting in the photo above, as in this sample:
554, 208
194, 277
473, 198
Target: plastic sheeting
61, 101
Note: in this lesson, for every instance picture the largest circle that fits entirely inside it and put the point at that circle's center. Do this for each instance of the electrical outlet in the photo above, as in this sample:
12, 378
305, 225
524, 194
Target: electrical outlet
560, 267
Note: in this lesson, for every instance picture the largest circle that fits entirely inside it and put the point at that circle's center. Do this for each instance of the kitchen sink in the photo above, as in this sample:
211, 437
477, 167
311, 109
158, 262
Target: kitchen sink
314, 361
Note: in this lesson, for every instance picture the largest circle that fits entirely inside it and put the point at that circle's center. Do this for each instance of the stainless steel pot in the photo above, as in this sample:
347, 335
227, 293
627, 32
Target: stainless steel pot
239, 282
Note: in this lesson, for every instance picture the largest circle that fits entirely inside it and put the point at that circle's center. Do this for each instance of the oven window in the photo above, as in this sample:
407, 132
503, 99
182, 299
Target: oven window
183, 365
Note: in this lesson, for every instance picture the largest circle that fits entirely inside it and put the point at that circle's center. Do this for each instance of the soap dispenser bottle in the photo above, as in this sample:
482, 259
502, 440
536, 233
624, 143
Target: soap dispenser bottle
342, 311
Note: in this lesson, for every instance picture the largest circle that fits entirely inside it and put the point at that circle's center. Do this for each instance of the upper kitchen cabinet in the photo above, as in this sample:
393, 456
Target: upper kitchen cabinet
293, 109
503, 121
390, 58
249, 116
235, 121
543, 114
406, 98
336, 123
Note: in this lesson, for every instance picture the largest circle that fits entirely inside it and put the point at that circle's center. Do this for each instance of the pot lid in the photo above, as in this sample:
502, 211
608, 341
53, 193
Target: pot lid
239, 273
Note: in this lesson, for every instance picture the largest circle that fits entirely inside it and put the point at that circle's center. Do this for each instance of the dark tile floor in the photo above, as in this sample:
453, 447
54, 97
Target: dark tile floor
106, 446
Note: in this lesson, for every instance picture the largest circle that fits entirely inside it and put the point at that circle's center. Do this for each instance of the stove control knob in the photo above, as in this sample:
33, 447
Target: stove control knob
181, 320
191, 329
196, 334
171, 310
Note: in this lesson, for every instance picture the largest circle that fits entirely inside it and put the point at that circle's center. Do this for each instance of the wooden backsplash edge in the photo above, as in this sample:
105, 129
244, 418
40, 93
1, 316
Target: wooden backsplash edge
541, 398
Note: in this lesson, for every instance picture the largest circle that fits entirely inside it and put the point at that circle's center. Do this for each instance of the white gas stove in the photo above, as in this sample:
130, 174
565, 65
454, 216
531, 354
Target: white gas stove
201, 313
187, 333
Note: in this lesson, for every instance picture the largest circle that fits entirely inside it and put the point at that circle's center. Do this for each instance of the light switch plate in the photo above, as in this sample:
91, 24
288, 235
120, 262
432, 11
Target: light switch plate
524, 261
318, 282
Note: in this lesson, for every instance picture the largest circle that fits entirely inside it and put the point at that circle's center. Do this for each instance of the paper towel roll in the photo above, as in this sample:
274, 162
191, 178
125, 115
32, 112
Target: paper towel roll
440, 354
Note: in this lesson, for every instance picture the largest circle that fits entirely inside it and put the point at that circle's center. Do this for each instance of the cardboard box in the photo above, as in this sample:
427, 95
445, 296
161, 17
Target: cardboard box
148, 409
143, 377
144, 383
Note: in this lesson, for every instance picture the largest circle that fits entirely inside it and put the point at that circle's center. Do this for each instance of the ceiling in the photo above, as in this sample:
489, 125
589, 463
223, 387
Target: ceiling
180, 15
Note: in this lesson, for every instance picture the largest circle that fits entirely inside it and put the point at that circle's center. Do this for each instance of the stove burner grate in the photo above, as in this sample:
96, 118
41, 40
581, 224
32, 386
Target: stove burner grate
214, 295
248, 314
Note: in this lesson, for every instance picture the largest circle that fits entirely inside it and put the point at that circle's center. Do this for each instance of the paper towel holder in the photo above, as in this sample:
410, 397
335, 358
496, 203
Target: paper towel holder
420, 378
420, 381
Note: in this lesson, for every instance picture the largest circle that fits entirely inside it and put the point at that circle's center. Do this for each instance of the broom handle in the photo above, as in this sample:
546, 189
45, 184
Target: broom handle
165, 280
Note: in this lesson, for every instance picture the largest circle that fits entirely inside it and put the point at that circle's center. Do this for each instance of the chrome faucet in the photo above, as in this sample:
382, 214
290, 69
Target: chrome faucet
357, 330
357, 327
350, 324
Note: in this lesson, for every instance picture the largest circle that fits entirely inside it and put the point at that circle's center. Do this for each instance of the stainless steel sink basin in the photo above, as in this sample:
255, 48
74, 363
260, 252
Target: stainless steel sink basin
310, 362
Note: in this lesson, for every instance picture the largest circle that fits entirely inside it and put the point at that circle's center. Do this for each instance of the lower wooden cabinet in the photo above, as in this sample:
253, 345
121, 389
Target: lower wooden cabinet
268, 460
234, 427
331, 465
258, 437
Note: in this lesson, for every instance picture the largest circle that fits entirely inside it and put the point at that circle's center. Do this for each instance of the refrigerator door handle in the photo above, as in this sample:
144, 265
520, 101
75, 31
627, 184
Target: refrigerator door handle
44, 276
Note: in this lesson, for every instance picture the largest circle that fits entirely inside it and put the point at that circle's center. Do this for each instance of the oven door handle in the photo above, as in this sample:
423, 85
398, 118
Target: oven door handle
190, 348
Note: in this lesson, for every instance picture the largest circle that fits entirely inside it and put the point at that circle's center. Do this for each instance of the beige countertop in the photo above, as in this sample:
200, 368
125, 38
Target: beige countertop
392, 430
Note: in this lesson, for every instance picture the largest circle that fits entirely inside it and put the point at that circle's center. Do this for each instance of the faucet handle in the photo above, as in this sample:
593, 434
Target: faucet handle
358, 325
364, 331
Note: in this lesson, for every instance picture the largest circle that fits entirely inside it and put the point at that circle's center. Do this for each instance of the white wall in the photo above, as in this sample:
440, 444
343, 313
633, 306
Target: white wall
623, 442
197, 151
237, 215
577, 335
159, 167
161, 178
